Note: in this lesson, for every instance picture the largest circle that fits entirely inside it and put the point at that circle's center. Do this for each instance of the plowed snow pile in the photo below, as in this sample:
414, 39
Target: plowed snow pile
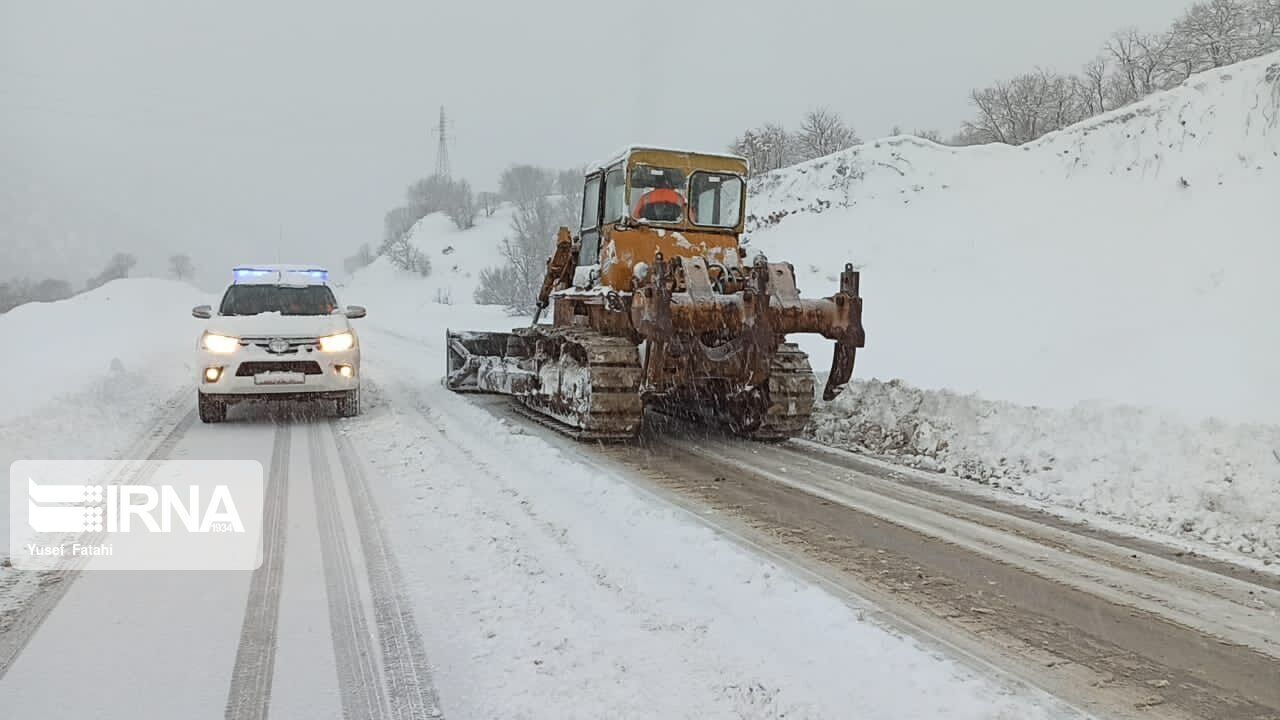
1128, 262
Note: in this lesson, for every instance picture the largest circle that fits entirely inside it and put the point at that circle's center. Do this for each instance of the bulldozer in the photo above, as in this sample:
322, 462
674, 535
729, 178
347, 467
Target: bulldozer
656, 307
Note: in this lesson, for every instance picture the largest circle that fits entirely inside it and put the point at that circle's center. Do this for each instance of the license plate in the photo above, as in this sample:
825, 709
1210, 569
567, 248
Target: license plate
279, 378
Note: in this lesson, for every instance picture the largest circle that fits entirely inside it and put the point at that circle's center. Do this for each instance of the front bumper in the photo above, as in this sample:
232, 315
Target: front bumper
242, 373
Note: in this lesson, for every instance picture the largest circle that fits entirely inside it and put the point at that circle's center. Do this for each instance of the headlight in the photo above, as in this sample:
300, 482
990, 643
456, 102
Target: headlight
337, 343
220, 344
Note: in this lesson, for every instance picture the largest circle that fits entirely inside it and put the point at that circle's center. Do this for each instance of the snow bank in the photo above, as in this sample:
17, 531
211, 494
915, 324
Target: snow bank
140, 327
1130, 258
1208, 481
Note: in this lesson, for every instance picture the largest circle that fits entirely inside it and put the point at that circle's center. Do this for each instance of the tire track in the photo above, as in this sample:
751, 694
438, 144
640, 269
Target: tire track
249, 696
55, 584
405, 666
360, 686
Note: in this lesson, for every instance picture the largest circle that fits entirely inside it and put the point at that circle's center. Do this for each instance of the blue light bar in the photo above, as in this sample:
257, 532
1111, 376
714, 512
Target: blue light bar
246, 273
252, 272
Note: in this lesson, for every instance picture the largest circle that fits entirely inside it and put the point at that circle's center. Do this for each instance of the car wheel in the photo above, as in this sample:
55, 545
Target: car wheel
212, 410
349, 404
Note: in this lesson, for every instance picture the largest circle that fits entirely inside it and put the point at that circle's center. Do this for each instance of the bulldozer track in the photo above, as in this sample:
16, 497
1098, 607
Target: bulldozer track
791, 395
789, 400
610, 407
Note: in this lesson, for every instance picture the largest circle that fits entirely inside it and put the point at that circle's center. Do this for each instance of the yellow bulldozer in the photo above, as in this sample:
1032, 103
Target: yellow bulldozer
655, 307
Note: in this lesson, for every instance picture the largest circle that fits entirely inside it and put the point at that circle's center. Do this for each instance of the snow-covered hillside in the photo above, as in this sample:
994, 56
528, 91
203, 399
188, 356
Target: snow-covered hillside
1130, 258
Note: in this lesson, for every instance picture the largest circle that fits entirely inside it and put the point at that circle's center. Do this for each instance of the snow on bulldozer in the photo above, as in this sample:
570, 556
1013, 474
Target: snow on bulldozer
654, 307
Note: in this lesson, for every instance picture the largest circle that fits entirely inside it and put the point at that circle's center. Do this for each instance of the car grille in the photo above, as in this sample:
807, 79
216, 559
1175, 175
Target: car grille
295, 344
254, 367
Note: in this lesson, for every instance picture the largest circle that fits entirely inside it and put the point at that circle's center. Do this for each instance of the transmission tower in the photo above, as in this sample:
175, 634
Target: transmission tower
442, 148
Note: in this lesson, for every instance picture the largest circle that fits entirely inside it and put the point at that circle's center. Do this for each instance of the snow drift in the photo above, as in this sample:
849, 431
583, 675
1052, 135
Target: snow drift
1209, 481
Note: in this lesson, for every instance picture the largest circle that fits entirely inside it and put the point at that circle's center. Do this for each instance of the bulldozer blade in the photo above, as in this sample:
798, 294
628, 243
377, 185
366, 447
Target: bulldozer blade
480, 362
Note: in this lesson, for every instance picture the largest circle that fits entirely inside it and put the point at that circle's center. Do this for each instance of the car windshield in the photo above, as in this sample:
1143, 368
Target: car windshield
286, 300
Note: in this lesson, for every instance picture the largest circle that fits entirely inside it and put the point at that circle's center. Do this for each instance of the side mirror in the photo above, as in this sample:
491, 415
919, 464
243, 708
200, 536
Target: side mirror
356, 311
204, 312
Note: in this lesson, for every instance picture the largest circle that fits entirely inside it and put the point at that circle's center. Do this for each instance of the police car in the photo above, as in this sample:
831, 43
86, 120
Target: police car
278, 334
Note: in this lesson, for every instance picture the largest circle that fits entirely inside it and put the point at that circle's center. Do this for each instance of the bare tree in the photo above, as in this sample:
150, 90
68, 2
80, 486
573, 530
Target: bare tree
21, 291
569, 184
397, 223
488, 202
1093, 85
1213, 34
362, 258
525, 184
525, 250
767, 148
498, 286
1025, 108
405, 255
117, 267
1264, 15
460, 205
823, 132
748, 147
181, 267
428, 195
1133, 64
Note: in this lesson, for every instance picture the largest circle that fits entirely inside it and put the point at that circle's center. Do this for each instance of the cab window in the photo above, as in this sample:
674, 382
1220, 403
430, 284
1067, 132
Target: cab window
716, 199
591, 203
615, 195
657, 194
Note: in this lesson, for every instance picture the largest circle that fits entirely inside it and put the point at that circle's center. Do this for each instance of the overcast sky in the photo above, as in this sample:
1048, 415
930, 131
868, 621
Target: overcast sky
159, 126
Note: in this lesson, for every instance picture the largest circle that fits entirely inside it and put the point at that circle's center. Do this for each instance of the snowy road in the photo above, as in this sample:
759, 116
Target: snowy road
438, 557
1110, 622
321, 629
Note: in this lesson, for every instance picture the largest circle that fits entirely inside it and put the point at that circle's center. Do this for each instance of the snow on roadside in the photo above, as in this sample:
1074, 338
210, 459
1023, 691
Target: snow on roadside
549, 588
85, 378
139, 326
1209, 481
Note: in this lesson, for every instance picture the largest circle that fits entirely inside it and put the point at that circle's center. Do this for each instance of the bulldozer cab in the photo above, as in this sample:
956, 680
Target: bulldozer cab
648, 200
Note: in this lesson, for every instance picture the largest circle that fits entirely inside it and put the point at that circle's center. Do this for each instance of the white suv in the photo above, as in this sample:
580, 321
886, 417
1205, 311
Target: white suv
278, 335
